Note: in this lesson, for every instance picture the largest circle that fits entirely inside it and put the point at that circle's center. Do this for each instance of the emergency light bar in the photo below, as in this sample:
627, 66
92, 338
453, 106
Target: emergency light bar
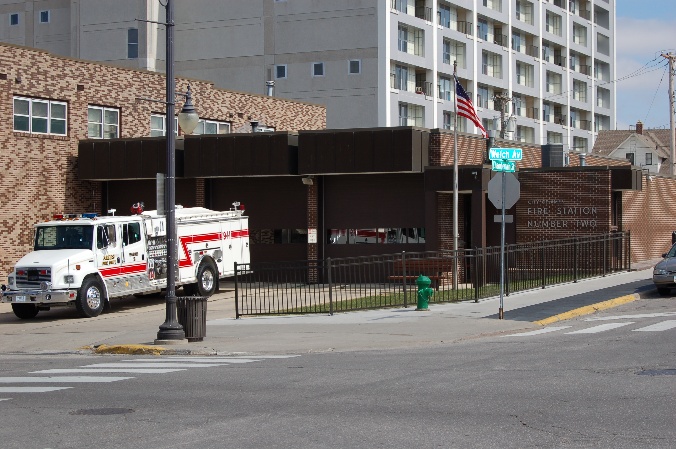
90, 215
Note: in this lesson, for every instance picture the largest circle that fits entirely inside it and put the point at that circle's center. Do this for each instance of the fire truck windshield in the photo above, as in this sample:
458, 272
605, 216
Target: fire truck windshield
64, 237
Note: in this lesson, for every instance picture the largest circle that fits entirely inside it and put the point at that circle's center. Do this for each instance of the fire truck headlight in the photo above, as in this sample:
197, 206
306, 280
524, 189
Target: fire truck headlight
3, 287
69, 279
44, 285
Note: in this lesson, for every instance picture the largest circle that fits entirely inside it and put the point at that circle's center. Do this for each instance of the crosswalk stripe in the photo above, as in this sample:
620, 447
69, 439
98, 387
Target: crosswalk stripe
658, 327
152, 365
538, 332
31, 389
5, 399
600, 328
631, 317
62, 379
193, 360
111, 370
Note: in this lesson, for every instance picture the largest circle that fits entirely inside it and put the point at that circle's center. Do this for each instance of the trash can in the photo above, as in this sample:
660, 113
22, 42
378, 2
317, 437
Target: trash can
192, 315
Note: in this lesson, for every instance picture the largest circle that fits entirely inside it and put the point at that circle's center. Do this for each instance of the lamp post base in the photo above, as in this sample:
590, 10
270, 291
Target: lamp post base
171, 333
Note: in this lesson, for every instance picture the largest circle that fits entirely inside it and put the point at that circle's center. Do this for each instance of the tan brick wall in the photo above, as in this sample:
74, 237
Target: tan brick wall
39, 173
650, 216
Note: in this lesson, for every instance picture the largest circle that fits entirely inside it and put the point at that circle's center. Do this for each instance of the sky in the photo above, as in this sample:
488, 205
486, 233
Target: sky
645, 29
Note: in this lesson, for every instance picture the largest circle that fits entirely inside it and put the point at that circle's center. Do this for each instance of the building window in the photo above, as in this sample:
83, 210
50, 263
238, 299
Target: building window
491, 64
40, 116
630, 157
399, 79
445, 16
211, 127
445, 88
14, 19
648, 159
580, 144
158, 126
400, 5
317, 69
132, 43
280, 71
103, 123
411, 115
354, 67
375, 236
44, 16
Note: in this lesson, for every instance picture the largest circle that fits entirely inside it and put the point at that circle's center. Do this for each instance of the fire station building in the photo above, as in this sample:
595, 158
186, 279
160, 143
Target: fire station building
81, 139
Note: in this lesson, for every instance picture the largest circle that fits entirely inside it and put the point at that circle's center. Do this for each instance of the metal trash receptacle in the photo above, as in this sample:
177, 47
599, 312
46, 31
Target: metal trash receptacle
192, 315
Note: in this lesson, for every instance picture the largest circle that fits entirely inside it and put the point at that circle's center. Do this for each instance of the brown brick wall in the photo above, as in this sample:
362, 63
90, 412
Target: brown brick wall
562, 204
39, 172
650, 215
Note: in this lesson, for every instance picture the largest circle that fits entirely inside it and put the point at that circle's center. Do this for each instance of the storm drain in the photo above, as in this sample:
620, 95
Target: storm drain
102, 411
657, 372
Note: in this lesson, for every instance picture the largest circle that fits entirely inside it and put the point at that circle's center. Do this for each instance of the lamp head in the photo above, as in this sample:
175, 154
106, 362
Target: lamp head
188, 119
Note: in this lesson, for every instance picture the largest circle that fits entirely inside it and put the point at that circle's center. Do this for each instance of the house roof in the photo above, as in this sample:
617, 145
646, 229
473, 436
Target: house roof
609, 140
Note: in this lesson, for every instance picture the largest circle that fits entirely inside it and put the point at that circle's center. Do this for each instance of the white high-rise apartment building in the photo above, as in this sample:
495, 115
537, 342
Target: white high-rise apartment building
371, 62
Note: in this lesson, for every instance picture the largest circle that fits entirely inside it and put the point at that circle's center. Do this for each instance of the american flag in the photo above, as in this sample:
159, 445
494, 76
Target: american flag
466, 108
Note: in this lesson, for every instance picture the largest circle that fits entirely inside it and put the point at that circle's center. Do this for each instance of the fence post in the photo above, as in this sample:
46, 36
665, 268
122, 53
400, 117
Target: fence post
575, 259
328, 277
542, 259
403, 272
605, 254
236, 295
507, 253
476, 274
629, 250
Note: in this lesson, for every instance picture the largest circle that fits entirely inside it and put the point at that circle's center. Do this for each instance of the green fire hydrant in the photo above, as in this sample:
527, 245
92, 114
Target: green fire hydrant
424, 292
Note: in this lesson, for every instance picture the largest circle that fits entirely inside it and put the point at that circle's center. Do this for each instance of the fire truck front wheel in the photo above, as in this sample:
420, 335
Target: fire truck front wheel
90, 299
207, 277
25, 311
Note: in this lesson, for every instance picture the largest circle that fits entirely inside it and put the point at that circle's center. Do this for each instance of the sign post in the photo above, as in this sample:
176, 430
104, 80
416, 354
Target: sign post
503, 160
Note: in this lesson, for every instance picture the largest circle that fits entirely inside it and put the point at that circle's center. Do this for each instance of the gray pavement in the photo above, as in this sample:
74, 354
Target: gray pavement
134, 321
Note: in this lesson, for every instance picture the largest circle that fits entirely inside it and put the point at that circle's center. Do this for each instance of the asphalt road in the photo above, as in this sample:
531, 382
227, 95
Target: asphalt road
572, 387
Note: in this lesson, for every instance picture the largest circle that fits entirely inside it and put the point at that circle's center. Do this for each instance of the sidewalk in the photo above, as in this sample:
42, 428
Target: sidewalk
136, 321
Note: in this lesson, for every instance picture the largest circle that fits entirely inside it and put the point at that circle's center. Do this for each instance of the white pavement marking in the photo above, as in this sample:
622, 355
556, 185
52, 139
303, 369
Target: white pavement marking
658, 327
631, 317
538, 332
112, 370
62, 379
5, 399
31, 389
192, 359
600, 328
152, 365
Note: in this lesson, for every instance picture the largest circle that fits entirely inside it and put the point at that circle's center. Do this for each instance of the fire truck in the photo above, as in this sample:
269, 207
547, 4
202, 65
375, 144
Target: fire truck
84, 260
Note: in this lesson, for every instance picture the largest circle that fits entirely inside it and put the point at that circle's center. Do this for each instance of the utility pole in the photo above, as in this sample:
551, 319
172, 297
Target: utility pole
672, 134
502, 100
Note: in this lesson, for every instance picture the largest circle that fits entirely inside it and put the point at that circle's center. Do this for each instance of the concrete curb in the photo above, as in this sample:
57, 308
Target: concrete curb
586, 310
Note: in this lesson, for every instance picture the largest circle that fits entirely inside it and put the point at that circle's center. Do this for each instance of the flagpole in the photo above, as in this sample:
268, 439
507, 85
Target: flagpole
455, 177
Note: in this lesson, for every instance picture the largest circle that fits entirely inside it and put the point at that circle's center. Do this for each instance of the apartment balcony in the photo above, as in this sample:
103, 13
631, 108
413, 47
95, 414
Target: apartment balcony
560, 120
533, 113
581, 124
423, 12
560, 60
464, 27
424, 88
501, 40
584, 69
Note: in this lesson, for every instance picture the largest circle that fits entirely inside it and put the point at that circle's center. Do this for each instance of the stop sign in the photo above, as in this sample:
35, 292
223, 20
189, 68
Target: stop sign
512, 190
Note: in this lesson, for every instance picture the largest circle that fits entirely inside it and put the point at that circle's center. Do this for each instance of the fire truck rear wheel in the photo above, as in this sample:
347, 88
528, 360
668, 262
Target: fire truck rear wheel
207, 277
90, 300
25, 311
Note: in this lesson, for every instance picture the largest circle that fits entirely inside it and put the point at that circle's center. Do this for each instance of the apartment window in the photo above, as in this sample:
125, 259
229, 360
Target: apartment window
280, 71
445, 88
516, 41
547, 112
524, 74
132, 43
525, 134
317, 69
44, 16
40, 116
445, 16
354, 67
411, 115
580, 91
495, 5
524, 11
579, 34
482, 97
553, 137
402, 39
400, 5
630, 157
14, 19
158, 126
211, 127
580, 144
103, 123
553, 83
603, 44
491, 64
648, 159
400, 77
553, 23
482, 29
449, 118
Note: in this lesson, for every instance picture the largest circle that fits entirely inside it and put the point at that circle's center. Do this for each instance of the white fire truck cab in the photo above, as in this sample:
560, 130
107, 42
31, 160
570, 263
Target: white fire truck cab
85, 260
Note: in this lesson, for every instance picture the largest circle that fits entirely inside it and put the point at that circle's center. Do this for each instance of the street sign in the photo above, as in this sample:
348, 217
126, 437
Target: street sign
505, 154
512, 190
506, 166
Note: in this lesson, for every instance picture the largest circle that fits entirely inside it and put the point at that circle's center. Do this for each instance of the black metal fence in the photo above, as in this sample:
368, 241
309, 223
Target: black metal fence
338, 285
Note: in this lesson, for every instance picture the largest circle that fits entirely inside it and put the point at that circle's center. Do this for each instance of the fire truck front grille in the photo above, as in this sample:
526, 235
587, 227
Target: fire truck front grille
31, 278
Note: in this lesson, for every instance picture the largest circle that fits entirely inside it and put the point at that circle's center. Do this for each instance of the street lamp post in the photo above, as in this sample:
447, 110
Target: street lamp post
171, 329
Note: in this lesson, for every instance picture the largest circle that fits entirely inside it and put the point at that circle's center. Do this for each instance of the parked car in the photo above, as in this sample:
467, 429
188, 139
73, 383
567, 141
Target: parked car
664, 273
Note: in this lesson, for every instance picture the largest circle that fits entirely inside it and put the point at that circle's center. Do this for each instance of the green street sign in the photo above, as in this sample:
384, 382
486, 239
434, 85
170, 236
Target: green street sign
506, 166
505, 154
